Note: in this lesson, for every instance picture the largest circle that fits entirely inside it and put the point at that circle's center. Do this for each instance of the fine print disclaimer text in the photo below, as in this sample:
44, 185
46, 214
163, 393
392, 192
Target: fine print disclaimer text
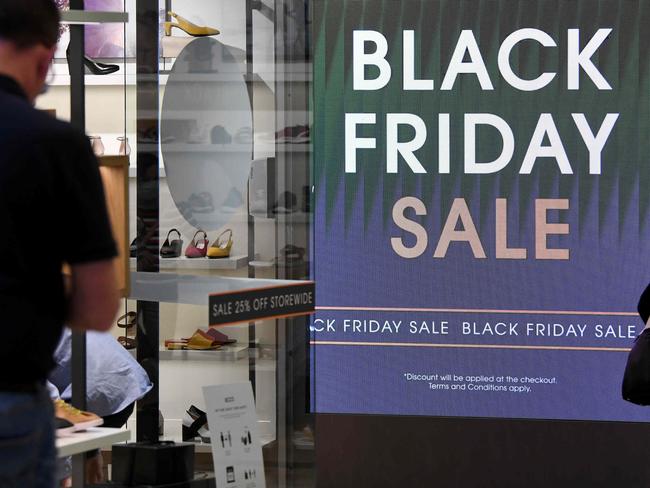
481, 383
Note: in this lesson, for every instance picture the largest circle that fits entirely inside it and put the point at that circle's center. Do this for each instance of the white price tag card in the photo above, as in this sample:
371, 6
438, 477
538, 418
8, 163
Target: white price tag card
236, 448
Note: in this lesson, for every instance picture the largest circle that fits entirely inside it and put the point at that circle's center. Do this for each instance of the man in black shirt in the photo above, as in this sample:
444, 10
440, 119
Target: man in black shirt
52, 212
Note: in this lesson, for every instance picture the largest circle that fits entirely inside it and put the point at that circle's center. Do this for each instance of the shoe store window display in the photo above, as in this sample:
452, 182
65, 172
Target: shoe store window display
50, 186
114, 382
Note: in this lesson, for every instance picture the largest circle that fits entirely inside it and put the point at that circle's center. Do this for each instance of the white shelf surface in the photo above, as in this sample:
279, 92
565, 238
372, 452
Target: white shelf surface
184, 263
229, 352
90, 440
191, 289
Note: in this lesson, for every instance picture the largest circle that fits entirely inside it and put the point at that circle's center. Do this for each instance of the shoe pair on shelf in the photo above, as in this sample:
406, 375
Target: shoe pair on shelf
198, 248
188, 27
70, 419
201, 340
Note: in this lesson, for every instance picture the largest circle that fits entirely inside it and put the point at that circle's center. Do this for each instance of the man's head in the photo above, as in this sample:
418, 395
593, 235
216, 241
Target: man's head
29, 30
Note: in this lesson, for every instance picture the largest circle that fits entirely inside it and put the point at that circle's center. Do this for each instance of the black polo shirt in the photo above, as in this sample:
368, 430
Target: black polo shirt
52, 210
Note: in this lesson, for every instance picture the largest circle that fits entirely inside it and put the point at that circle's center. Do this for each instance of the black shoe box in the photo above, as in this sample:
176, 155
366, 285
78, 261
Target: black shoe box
148, 463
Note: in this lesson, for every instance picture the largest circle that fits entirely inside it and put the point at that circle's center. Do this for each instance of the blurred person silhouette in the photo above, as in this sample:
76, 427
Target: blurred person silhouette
53, 212
114, 382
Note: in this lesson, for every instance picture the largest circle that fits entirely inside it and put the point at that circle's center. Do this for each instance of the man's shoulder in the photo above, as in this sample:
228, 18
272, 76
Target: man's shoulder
58, 131
19, 118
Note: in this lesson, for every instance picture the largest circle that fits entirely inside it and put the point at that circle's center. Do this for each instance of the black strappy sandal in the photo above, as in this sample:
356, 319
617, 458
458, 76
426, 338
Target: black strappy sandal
200, 420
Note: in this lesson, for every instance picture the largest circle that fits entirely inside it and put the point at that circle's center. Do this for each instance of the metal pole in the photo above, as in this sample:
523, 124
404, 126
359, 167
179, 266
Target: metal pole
147, 206
78, 120
251, 220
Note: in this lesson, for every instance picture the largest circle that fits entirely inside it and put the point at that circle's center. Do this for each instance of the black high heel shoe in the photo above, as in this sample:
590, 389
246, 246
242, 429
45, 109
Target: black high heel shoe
94, 67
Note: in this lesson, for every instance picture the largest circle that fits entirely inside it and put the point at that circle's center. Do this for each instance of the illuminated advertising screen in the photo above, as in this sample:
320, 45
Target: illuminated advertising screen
481, 227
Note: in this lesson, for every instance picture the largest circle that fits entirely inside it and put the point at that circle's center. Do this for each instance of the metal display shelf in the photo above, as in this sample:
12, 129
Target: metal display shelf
90, 440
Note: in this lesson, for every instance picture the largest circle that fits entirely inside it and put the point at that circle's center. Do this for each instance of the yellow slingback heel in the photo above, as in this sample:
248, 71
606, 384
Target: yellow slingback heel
187, 26
221, 246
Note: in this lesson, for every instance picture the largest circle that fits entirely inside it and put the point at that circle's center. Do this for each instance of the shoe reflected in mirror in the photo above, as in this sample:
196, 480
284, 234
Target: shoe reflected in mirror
219, 135
233, 202
201, 202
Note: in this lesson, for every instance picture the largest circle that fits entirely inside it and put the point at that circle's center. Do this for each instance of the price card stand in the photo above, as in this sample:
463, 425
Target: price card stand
236, 448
